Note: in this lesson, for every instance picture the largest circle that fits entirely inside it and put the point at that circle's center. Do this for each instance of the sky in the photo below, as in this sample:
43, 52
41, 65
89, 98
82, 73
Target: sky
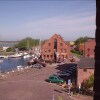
40, 19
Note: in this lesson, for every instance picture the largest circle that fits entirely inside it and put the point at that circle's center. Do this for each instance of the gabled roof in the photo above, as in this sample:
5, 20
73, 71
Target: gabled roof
61, 39
88, 63
59, 36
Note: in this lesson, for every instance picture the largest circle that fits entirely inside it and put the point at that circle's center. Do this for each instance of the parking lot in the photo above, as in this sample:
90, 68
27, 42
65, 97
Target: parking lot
68, 71
31, 85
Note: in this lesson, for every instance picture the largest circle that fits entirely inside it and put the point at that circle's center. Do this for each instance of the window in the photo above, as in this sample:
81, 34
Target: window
49, 50
44, 56
51, 56
47, 56
61, 44
56, 78
49, 44
65, 50
52, 78
55, 40
85, 70
55, 44
61, 50
88, 49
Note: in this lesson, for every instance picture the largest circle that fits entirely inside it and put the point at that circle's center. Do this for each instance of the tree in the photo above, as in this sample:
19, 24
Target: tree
27, 43
9, 49
89, 82
81, 40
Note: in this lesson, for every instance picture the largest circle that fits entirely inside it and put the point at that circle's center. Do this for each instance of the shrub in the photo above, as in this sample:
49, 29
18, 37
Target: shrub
88, 83
77, 52
9, 49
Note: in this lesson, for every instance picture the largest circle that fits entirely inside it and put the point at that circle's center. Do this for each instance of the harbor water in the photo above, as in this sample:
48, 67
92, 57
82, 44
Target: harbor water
12, 63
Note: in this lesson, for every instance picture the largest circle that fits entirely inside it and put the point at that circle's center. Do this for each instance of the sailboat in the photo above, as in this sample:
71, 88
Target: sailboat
26, 55
17, 54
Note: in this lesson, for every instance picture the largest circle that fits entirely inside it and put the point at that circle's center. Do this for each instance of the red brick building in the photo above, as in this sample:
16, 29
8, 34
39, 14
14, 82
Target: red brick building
85, 69
81, 47
55, 46
90, 48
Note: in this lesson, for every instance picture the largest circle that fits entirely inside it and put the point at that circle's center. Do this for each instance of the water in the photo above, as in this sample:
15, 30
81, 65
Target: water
12, 63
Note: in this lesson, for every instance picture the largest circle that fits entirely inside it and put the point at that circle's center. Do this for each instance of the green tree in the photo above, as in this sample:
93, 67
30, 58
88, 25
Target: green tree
81, 40
9, 49
27, 43
89, 82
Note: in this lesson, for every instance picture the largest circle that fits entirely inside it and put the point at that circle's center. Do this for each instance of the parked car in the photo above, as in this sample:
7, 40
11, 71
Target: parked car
72, 69
55, 79
68, 71
36, 61
37, 66
63, 73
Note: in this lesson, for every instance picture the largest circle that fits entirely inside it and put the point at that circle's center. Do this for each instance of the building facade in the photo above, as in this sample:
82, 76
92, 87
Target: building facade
55, 47
90, 48
85, 69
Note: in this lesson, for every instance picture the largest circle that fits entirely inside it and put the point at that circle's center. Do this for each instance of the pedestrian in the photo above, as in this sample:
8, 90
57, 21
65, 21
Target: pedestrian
79, 87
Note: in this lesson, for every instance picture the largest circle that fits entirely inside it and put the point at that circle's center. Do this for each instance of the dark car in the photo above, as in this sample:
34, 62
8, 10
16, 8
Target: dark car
36, 61
69, 71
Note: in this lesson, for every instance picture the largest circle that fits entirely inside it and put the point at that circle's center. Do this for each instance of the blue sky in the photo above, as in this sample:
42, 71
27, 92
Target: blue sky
41, 19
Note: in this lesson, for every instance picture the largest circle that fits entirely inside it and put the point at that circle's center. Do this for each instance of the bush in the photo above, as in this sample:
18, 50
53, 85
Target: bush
77, 52
9, 49
88, 83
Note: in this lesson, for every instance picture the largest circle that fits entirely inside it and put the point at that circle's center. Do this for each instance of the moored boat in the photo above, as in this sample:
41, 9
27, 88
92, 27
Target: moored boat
16, 55
26, 56
3, 56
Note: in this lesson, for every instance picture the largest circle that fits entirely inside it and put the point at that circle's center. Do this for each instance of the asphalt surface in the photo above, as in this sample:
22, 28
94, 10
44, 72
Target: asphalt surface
31, 85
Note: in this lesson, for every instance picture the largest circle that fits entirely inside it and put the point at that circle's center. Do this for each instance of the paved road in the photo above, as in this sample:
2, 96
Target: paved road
32, 86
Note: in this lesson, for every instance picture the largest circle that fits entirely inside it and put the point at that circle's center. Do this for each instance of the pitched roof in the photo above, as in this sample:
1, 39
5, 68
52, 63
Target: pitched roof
59, 36
88, 63
62, 39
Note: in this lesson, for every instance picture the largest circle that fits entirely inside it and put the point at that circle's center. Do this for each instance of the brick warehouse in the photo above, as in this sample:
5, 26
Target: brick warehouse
55, 46
88, 47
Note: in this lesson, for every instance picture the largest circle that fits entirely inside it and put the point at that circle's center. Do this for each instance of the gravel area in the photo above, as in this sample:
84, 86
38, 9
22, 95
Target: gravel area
30, 84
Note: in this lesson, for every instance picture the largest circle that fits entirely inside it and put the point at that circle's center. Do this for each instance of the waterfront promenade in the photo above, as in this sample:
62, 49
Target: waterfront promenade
30, 84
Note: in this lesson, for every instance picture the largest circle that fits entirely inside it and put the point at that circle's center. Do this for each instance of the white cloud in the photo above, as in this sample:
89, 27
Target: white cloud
61, 24
67, 26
